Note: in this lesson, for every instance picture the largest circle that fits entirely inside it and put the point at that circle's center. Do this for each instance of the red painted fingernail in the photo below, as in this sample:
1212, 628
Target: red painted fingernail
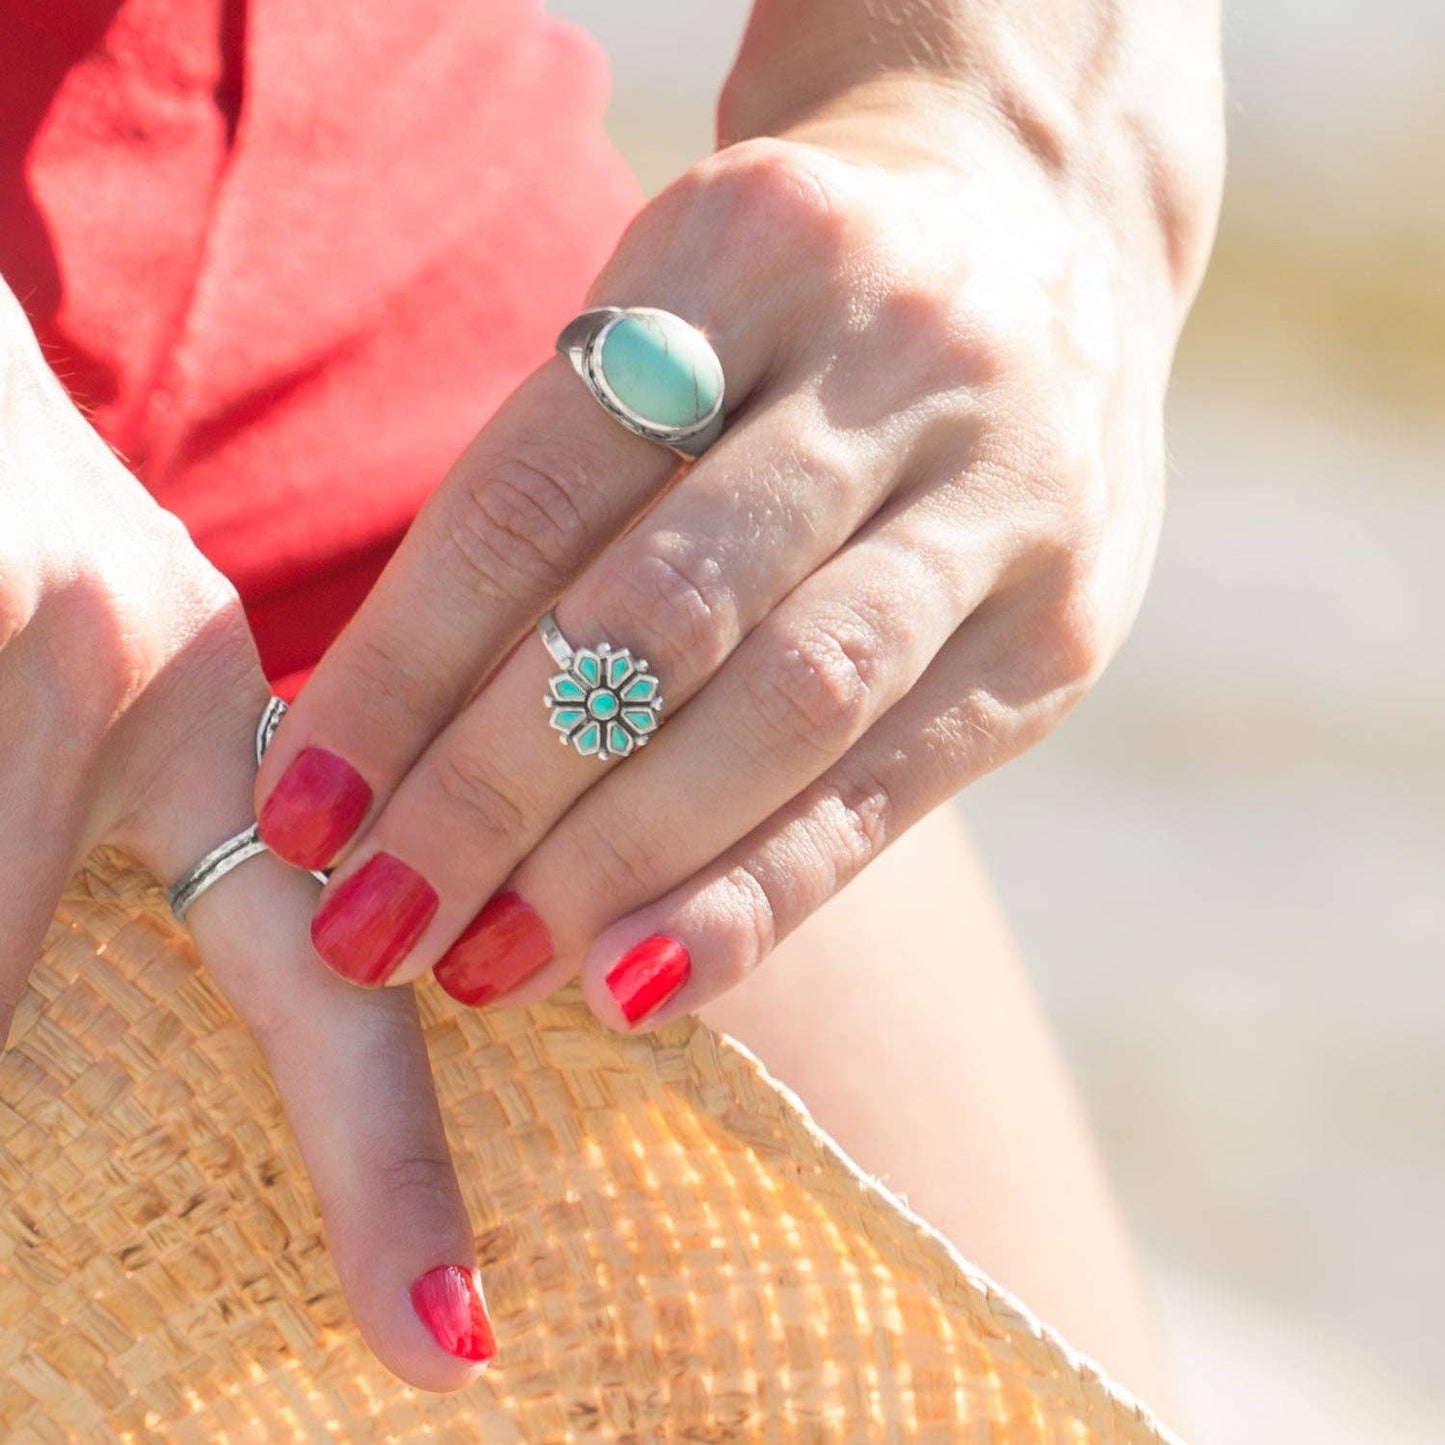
315, 809
449, 1301
506, 943
646, 976
370, 921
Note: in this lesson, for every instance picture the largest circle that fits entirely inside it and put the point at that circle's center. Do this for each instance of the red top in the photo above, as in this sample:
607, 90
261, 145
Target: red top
290, 254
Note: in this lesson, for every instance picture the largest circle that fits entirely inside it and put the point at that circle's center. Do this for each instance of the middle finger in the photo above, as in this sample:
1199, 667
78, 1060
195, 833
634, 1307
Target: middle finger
768, 504
547, 484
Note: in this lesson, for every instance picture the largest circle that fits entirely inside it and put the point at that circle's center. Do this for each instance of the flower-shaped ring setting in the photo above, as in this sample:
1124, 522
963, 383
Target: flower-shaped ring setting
604, 702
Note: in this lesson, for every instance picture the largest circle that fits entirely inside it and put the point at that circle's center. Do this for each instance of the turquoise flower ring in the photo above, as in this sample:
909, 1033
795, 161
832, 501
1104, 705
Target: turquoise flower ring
604, 702
652, 371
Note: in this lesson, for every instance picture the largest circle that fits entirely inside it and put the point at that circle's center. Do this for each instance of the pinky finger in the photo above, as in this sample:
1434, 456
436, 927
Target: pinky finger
967, 714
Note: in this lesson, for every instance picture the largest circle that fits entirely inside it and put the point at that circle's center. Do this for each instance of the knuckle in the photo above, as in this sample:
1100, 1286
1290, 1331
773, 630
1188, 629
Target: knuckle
1055, 465
775, 195
677, 598
951, 347
94, 659
403, 687
975, 733
627, 859
518, 526
423, 1176
468, 786
753, 920
860, 813
1072, 641
818, 689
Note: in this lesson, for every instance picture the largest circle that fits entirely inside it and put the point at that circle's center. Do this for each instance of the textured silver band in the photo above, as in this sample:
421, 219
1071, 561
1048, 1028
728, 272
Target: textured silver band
578, 344
234, 851
554, 642
212, 868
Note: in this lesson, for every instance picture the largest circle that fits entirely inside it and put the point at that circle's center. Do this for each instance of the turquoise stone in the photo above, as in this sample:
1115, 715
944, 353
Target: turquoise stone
565, 689
618, 668
662, 368
587, 666
603, 704
564, 719
640, 690
619, 740
589, 740
639, 720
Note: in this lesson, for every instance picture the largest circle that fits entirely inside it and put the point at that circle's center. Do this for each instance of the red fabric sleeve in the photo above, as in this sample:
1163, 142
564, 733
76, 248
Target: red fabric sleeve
291, 254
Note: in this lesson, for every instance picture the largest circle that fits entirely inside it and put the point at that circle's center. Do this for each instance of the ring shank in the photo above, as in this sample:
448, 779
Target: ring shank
212, 868
552, 639
234, 851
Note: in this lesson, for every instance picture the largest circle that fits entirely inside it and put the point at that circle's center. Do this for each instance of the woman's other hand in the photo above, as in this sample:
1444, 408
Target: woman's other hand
944, 254
129, 697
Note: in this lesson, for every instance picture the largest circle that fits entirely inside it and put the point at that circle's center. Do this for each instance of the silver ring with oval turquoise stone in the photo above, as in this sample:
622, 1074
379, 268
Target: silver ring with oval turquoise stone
654, 372
605, 701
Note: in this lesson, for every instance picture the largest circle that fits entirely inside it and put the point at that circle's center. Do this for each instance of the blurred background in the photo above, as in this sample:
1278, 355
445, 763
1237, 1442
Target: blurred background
1228, 869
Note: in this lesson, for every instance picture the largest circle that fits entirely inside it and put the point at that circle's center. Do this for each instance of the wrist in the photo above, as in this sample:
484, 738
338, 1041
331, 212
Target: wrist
1127, 134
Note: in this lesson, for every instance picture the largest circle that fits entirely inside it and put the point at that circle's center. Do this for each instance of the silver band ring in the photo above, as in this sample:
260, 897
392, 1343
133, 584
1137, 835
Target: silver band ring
650, 370
605, 702
234, 851
212, 868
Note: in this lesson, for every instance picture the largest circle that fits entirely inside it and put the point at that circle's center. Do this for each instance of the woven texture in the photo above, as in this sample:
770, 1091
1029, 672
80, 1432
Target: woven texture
671, 1250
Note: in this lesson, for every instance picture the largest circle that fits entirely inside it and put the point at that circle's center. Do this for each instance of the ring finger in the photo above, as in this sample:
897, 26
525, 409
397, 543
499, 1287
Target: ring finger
822, 670
685, 586
547, 484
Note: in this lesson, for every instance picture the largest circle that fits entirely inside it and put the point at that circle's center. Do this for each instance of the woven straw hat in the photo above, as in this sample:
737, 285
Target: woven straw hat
672, 1250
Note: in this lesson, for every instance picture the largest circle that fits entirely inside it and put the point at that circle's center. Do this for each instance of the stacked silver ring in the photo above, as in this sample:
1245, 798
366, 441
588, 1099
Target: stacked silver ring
234, 851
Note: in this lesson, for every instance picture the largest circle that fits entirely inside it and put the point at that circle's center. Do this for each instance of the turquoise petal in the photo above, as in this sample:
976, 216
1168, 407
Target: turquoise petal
588, 667
640, 720
603, 704
564, 719
618, 668
619, 740
567, 689
643, 689
589, 740
662, 368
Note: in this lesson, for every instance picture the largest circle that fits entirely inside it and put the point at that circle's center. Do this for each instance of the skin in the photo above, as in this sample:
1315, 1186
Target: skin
944, 252
946, 294
129, 694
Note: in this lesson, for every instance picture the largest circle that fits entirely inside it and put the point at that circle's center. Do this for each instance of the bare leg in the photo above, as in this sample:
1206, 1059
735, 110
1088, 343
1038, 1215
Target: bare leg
904, 1019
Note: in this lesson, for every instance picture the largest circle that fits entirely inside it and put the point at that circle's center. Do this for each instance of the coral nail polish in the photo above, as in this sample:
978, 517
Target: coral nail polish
647, 975
504, 944
370, 921
449, 1301
315, 809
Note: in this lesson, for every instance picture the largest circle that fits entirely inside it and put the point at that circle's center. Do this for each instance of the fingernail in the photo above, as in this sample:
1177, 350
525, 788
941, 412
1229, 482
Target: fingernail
315, 809
449, 1301
370, 921
646, 976
506, 943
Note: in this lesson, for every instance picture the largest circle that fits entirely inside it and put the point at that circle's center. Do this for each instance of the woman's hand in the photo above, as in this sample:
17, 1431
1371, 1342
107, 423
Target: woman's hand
129, 696
946, 298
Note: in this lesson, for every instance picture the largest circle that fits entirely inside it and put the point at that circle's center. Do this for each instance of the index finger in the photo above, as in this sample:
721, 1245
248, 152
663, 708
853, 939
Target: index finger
543, 488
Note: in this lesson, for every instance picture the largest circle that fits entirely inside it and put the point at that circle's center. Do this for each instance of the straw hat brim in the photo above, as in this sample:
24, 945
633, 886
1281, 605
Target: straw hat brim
672, 1250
